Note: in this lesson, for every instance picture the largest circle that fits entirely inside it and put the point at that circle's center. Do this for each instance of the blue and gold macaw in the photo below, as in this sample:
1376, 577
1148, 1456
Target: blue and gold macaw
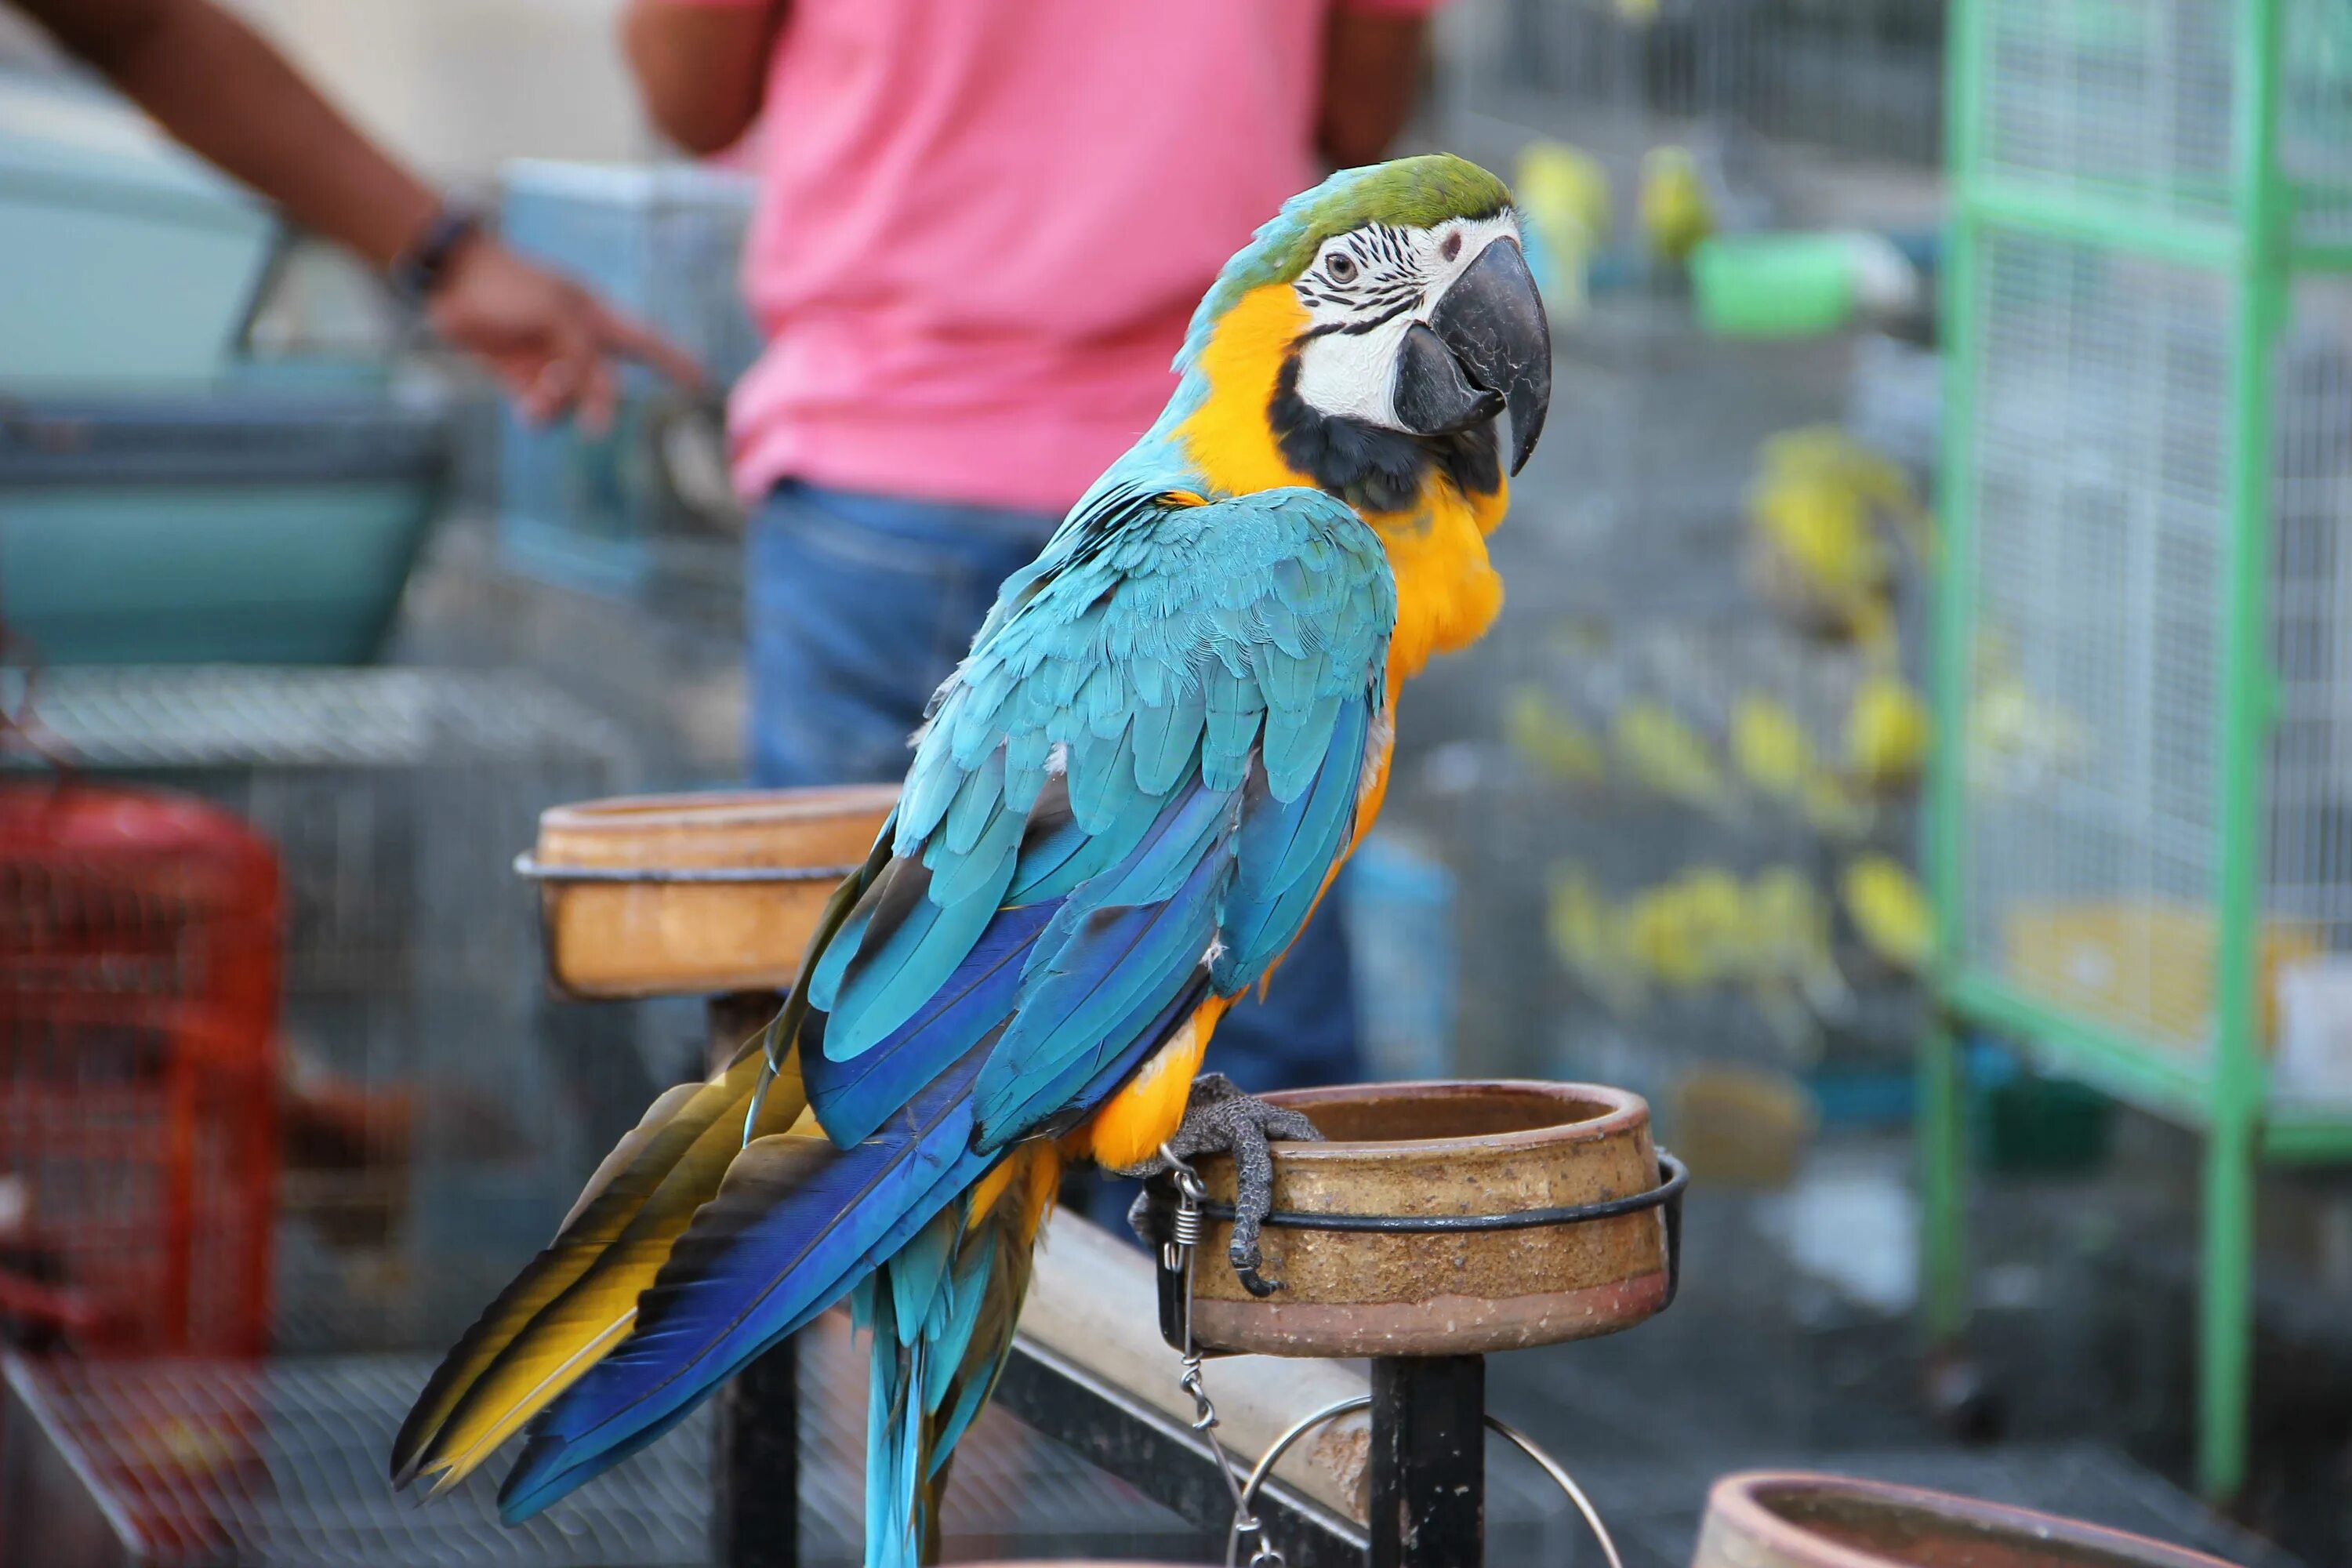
1168, 736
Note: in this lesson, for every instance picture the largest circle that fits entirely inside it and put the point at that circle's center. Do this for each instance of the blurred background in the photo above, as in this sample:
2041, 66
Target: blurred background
1936, 421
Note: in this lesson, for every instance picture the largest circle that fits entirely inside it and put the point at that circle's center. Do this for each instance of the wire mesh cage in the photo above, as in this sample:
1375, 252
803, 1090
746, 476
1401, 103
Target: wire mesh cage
139, 963
189, 1464
195, 1464
440, 1107
2129, 101
1856, 77
2316, 119
2135, 104
2140, 813
1647, 903
2099, 459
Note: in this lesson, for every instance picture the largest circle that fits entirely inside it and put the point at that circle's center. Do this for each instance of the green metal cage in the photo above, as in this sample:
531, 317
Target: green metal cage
2142, 806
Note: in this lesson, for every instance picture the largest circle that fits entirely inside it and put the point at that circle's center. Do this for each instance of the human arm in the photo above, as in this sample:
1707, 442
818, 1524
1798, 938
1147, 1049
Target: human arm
216, 85
701, 65
1372, 75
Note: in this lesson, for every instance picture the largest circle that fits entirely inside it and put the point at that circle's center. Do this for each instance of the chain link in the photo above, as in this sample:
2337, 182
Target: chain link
1179, 1254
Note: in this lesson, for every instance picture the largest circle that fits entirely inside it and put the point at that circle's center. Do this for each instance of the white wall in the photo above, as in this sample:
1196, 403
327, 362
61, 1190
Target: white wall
460, 86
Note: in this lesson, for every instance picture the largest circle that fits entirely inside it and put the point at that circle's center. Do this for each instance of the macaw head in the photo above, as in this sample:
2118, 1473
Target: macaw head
1416, 315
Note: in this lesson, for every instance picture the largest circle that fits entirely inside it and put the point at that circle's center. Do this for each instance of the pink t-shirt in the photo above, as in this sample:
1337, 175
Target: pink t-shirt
984, 225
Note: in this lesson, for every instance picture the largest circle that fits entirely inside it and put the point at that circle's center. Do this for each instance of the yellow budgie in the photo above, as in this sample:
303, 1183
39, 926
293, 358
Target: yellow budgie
1776, 759
1890, 912
1771, 751
1563, 748
1792, 922
1879, 480
1691, 932
1676, 211
1816, 504
1834, 810
1664, 755
1588, 935
1564, 197
1886, 734
1818, 555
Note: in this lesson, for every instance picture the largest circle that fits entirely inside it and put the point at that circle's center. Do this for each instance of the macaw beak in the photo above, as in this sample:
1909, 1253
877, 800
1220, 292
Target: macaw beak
1485, 350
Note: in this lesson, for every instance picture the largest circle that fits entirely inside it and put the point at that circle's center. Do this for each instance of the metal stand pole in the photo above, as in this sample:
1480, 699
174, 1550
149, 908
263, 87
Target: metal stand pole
1429, 1462
756, 1477
756, 1521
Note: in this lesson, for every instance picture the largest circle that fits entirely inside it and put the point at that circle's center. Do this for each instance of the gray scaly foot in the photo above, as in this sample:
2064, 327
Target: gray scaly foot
1219, 1119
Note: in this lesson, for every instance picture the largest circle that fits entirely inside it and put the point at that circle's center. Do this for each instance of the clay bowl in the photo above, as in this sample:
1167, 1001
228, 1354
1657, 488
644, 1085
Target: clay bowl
1444, 1148
695, 894
1792, 1520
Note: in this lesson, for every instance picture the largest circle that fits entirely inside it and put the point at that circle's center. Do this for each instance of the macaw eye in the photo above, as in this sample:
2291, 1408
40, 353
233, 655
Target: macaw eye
1342, 268
1452, 246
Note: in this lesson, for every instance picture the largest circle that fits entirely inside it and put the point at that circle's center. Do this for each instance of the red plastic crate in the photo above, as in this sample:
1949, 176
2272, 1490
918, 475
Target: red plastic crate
138, 985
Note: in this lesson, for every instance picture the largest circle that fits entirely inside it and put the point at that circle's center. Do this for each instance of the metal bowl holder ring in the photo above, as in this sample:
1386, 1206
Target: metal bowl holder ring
1187, 1221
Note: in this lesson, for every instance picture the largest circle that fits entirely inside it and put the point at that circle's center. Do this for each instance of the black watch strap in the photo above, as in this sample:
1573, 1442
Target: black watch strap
420, 269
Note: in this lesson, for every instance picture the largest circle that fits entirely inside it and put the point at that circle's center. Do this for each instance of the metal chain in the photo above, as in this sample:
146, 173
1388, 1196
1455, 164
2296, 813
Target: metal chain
1178, 1255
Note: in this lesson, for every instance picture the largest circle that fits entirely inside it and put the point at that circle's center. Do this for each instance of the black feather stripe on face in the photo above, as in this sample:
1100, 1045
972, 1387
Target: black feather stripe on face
1387, 271
1356, 326
1371, 469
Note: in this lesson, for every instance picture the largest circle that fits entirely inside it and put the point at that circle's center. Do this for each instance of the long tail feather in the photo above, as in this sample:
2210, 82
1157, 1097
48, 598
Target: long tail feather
592, 1315
796, 1224
942, 1313
575, 1301
657, 1151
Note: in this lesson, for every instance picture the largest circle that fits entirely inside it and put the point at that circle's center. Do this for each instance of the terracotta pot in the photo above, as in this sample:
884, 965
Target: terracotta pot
1445, 1149
660, 933
1791, 1520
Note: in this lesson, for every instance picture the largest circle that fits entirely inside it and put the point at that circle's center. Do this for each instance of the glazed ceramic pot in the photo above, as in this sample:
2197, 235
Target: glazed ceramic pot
1792, 1520
695, 894
1446, 1152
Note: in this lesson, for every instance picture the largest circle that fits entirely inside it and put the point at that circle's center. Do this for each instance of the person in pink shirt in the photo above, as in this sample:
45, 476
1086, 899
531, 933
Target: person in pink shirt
981, 228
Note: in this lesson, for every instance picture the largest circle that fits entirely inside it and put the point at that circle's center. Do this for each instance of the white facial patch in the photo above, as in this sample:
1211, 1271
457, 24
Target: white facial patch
1364, 291
1352, 375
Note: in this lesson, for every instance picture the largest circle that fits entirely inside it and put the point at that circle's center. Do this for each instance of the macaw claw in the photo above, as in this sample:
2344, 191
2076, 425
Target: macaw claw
1219, 1119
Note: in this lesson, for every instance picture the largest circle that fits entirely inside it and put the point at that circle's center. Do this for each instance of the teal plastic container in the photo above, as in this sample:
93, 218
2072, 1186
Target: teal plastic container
124, 263
219, 530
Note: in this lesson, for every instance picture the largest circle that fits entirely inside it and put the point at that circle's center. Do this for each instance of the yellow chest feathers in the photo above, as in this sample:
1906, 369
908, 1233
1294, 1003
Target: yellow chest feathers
1447, 592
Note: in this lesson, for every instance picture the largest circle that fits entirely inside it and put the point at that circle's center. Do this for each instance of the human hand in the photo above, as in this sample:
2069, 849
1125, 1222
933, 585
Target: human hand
549, 341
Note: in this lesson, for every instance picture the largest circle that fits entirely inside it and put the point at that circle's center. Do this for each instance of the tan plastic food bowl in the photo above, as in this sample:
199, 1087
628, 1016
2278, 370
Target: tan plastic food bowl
1791, 1520
695, 894
1444, 1148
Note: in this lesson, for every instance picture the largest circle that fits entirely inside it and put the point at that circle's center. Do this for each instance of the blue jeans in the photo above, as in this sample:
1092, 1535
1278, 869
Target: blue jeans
858, 607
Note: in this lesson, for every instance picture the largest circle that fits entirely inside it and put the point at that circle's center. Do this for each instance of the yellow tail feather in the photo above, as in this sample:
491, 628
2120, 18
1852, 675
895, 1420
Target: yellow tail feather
576, 1301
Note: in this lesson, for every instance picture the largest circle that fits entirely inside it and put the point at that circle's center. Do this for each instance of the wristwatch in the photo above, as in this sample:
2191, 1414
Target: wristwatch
418, 271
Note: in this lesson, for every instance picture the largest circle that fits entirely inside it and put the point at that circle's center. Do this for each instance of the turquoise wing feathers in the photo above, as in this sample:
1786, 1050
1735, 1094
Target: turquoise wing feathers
1109, 718
1129, 794
1138, 671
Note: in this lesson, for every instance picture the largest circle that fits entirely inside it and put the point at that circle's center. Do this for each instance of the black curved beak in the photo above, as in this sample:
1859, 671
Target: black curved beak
1485, 350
